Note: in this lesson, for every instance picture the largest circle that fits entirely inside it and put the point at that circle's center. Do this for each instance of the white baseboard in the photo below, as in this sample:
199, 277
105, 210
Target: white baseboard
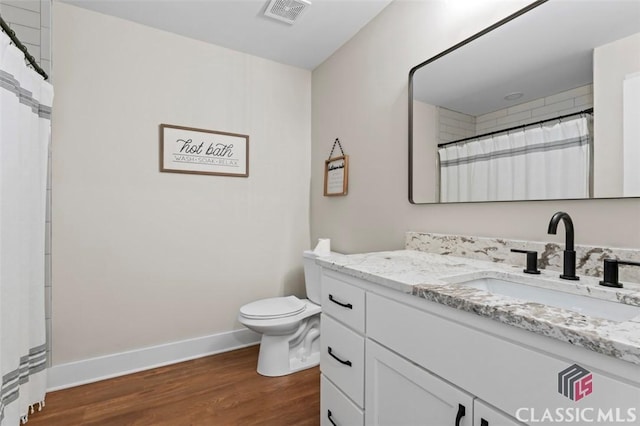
105, 367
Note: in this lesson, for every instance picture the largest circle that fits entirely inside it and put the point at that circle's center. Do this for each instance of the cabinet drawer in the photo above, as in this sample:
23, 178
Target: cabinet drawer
342, 358
343, 302
336, 407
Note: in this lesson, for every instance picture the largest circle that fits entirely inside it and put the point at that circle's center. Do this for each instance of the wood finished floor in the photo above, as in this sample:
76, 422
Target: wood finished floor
222, 389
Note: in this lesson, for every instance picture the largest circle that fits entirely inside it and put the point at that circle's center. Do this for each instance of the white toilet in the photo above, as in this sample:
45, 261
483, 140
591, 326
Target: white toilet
290, 327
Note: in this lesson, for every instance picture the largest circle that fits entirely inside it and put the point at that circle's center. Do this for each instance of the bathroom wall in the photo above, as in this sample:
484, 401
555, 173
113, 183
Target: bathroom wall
360, 95
611, 63
143, 258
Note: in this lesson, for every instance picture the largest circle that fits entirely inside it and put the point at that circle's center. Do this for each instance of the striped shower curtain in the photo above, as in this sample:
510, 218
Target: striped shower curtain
25, 131
542, 162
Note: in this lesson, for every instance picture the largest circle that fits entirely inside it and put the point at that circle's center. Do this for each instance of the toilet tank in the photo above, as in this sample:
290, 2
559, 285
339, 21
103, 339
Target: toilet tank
312, 273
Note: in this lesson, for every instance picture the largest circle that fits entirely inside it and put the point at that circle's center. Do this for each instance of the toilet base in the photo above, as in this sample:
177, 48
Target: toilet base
267, 366
282, 355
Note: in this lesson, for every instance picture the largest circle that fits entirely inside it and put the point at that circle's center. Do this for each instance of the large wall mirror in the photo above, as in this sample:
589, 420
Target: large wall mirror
544, 104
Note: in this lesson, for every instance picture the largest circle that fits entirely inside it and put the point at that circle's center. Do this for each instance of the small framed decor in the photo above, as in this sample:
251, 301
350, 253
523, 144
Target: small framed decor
204, 152
336, 173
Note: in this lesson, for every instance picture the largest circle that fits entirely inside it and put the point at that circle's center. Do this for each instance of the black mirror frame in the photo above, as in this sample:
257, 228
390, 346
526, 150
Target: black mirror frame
438, 56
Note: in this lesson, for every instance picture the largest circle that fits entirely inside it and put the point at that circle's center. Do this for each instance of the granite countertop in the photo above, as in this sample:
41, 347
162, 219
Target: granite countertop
433, 277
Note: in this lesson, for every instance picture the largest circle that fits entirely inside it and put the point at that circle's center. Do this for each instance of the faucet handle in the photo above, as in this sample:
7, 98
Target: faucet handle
532, 261
610, 276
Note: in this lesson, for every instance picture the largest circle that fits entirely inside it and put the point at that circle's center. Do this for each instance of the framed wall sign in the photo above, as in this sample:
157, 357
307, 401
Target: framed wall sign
336, 175
205, 152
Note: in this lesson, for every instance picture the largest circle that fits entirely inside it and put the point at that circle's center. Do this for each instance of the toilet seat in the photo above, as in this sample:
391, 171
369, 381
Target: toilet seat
273, 308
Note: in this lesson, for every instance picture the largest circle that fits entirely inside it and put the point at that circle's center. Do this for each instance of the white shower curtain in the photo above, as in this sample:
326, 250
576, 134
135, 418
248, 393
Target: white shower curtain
25, 130
536, 163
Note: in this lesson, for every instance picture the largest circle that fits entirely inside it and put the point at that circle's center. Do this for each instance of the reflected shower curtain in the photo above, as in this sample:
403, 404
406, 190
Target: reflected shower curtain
25, 130
536, 163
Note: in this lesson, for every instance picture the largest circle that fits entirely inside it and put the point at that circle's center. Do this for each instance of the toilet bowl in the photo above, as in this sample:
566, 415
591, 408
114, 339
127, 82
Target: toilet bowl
290, 326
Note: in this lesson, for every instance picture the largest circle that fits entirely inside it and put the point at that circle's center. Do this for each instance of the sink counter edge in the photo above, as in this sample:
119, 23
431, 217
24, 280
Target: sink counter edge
425, 275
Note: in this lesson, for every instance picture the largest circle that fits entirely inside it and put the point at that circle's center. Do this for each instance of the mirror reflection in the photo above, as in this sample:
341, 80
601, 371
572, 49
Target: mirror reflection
545, 106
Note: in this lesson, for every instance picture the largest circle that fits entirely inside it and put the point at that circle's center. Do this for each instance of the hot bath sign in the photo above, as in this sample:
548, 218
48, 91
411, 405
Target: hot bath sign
200, 151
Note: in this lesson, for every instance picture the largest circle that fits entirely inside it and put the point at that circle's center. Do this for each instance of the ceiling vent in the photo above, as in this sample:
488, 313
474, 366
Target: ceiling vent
286, 10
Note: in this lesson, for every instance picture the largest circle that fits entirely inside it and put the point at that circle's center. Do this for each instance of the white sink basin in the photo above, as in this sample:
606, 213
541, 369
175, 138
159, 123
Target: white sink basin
590, 306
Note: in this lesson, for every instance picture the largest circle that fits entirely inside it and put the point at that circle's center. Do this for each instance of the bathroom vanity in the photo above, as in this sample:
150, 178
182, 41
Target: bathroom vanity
406, 341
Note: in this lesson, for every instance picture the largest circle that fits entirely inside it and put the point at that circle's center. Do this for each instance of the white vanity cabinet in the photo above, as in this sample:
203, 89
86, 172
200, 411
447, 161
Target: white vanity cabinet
511, 369
399, 392
484, 415
342, 360
389, 358
336, 408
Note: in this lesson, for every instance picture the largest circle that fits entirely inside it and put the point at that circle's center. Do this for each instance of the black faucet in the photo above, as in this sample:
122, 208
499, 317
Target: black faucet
610, 277
569, 265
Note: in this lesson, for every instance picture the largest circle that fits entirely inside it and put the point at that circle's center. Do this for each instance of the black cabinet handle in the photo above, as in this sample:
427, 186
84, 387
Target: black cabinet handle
330, 419
348, 363
461, 412
484, 422
344, 305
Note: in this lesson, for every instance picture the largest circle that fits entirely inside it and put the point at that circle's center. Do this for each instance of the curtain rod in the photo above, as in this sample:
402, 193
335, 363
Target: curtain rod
522, 126
23, 48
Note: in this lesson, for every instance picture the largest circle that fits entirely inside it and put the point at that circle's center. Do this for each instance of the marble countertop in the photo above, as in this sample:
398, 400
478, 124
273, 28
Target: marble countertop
434, 277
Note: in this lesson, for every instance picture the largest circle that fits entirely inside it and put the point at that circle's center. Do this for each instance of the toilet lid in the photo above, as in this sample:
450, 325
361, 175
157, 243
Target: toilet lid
275, 307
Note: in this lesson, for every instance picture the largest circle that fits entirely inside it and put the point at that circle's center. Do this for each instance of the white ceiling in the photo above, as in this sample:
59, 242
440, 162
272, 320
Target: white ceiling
241, 25
543, 52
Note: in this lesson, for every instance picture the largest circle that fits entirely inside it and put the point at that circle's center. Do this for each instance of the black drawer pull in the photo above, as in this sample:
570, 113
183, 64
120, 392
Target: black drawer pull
461, 413
484, 422
348, 363
330, 419
344, 305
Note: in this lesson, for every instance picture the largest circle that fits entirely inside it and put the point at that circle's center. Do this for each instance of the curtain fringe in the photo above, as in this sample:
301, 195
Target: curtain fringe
24, 419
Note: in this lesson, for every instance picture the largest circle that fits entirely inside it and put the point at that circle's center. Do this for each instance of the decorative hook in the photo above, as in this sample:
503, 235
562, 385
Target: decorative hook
337, 141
